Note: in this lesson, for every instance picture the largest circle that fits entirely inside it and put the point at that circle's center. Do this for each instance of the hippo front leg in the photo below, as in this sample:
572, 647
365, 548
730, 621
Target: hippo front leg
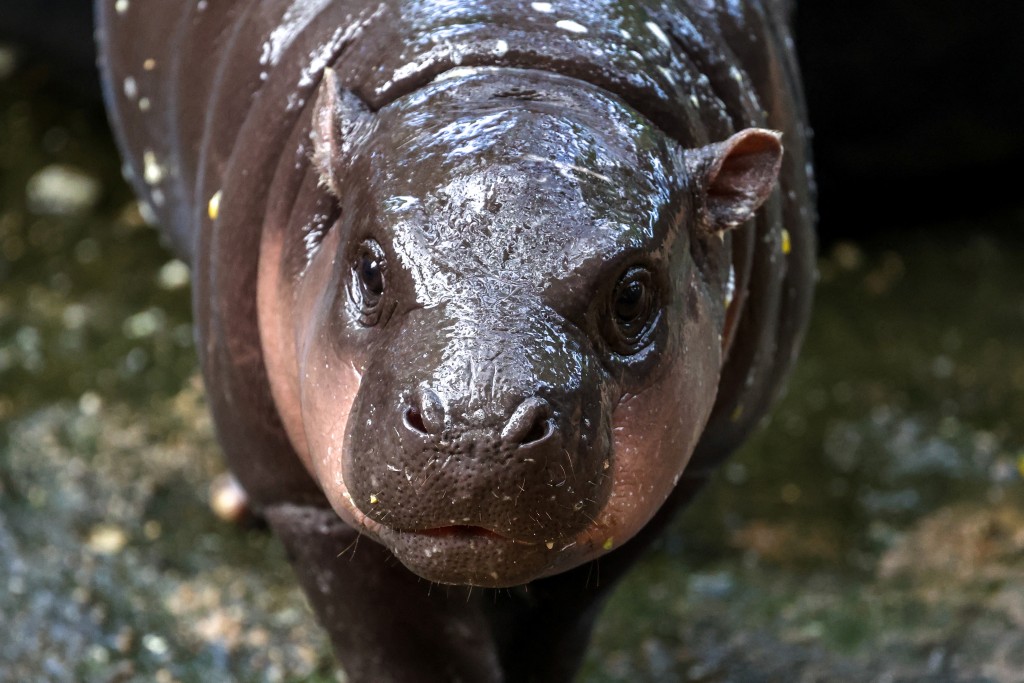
385, 623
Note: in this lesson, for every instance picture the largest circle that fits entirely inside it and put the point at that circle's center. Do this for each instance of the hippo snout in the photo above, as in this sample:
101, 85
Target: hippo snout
515, 445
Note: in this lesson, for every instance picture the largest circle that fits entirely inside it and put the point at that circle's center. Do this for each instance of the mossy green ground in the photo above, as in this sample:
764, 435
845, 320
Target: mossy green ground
873, 531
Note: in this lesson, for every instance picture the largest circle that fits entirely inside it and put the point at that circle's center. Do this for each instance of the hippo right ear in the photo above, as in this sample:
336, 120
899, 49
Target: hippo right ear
735, 177
340, 119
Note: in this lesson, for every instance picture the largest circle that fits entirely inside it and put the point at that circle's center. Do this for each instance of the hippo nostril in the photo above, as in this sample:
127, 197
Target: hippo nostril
531, 422
426, 414
415, 420
540, 429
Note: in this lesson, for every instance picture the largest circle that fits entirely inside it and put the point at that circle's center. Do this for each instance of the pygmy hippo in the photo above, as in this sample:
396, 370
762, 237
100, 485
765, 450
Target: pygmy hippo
491, 285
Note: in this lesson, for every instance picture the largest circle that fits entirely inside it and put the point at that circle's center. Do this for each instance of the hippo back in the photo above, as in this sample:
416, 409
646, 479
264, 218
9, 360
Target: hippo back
211, 103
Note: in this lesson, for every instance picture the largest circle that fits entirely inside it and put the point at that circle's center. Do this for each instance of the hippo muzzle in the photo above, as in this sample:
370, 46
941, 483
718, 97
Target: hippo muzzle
498, 435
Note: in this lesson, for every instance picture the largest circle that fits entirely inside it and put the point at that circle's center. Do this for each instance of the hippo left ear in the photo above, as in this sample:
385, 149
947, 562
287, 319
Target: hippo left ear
340, 118
735, 176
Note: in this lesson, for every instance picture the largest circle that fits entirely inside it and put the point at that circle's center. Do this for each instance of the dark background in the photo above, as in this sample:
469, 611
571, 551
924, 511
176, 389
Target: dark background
918, 110
917, 106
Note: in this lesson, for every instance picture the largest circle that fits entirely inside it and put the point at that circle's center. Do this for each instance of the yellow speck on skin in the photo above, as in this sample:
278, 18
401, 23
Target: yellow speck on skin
609, 544
1020, 464
149, 64
737, 414
373, 499
213, 208
787, 243
550, 545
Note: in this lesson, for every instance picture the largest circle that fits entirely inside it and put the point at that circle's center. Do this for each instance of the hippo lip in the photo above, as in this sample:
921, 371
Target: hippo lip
463, 531
470, 555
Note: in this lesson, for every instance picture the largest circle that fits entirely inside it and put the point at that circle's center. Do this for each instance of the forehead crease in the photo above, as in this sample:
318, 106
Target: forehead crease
522, 196
475, 256
519, 231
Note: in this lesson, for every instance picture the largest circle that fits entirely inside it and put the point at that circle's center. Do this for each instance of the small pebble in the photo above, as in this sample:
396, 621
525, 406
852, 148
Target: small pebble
173, 275
106, 539
155, 644
90, 404
228, 500
60, 190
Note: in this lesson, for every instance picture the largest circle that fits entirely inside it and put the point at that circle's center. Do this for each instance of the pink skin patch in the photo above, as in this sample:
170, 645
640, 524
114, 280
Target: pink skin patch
654, 433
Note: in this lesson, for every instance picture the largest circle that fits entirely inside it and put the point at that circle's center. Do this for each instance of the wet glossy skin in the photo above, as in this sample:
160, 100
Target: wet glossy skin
214, 103
490, 290
482, 393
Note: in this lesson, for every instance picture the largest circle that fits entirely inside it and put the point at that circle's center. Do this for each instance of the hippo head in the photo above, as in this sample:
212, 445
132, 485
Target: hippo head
505, 348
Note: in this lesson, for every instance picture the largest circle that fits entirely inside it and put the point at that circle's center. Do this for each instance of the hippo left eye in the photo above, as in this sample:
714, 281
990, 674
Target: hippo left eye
633, 311
368, 281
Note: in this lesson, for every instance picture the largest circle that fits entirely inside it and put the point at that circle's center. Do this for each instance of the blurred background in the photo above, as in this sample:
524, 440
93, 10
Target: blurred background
873, 531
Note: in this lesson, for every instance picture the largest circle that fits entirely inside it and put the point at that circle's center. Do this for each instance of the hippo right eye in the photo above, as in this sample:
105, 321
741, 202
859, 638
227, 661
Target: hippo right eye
368, 282
633, 313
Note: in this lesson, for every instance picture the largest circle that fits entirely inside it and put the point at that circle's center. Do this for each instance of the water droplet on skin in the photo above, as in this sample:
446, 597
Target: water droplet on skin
152, 172
147, 213
730, 286
658, 33
571, 26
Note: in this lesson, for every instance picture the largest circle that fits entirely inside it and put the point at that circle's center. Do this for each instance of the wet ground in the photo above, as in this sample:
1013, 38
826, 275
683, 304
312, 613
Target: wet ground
873, 531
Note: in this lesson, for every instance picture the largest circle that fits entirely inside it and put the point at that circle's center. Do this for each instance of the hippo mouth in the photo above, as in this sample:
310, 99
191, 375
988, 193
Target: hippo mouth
466, 532
471, 555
